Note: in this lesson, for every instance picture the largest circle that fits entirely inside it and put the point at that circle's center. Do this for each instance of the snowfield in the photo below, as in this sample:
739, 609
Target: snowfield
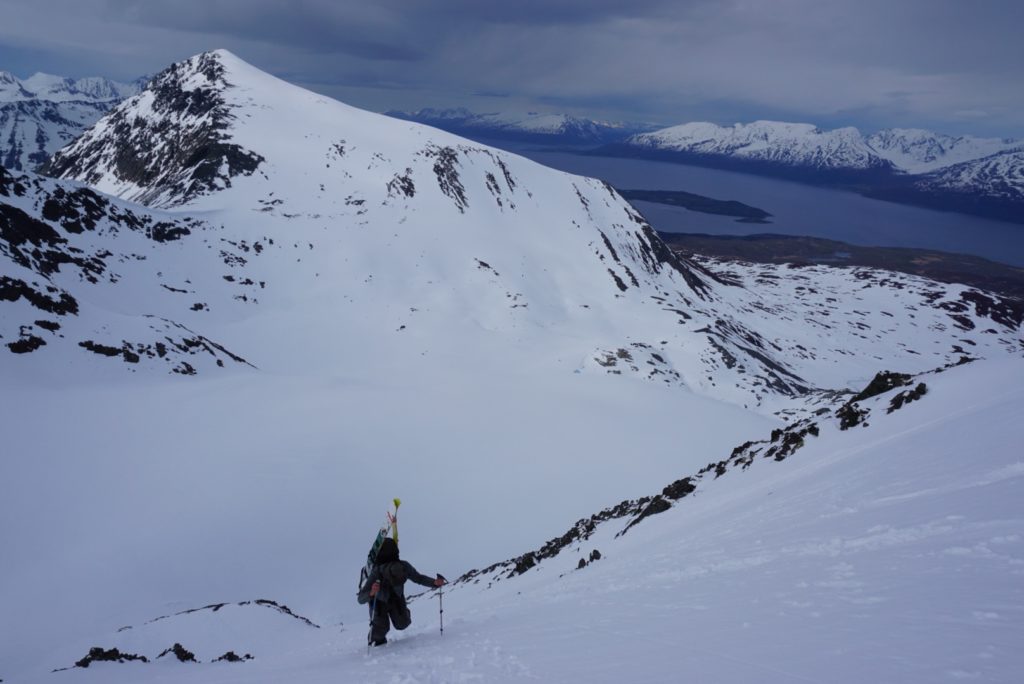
892, 552
285, 311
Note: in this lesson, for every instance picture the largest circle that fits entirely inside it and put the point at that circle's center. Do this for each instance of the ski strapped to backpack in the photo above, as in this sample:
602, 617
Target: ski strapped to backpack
388, 528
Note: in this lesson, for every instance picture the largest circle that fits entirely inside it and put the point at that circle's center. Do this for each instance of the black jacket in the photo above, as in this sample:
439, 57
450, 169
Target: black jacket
392, 577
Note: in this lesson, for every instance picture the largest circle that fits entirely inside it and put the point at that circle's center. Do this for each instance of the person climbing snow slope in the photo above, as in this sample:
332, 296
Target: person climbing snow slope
384, 590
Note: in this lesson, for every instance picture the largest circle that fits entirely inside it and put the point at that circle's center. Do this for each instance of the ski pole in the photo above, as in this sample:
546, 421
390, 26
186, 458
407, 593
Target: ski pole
440, 600
373, 612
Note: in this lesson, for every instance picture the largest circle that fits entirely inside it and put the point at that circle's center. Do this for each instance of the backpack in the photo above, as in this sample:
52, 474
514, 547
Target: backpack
371, 557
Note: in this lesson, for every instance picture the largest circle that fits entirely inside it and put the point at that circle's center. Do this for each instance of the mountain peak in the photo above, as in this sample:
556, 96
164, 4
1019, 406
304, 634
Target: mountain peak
210, 65
168, 144
218, 67
222, 54
772, 142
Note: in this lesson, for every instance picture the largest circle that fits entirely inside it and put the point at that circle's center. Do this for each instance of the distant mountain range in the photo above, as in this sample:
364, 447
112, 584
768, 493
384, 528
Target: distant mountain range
982, 176
42, 113
528, 127
962, 173
903, 150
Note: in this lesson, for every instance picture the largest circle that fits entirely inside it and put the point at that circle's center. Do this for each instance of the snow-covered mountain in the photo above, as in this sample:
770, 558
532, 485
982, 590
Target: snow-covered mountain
199, 140
790, 144
529, 126
271, 312
62, 89
42, 113
917, 151
909, 151
1000, 175
978, 175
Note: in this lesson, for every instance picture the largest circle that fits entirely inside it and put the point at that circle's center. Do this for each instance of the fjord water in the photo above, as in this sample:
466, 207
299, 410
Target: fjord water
796, 209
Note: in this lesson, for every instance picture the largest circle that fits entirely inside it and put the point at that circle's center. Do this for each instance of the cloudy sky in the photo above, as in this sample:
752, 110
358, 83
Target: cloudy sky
956, 66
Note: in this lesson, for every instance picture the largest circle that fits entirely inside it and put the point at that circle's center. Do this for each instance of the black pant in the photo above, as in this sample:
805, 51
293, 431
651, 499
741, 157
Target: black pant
391, 613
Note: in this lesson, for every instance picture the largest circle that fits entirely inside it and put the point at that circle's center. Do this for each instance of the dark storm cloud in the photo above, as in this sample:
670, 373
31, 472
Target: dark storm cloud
361, 30
940, 63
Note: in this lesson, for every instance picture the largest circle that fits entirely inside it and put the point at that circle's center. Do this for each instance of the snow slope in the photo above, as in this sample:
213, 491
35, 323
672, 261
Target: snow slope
890, 551
42, 113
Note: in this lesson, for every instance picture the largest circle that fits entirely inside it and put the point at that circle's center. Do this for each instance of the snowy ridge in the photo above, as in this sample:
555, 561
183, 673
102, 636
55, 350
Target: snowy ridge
770, 141
49, 88
841, 410
910, 151
41, 114
225, 632
917, 151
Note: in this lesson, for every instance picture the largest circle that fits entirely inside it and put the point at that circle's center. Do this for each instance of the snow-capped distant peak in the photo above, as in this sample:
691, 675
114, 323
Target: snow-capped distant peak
47, 84
11, 89
793, 144
453, 113
915, 150
43, 113
903, 150
999, 176
50, 88
105, 89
